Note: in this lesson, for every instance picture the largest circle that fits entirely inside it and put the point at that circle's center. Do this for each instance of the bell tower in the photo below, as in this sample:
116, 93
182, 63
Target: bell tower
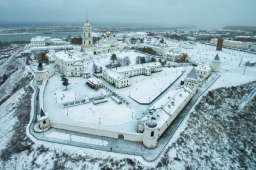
87, 35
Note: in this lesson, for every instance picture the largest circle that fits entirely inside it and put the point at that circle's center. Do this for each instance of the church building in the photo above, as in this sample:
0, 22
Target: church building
87, 35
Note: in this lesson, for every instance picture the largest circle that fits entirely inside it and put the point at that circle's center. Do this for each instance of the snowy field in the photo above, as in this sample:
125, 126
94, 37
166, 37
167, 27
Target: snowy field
232, 71
109, 115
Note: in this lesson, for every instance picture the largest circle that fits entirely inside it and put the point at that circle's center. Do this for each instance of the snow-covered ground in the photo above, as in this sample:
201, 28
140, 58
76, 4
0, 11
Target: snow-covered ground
232, 69
108, 116
145, 89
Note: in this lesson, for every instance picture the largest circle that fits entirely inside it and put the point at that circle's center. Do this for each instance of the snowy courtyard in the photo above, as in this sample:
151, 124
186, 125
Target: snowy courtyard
145, 89
108, 115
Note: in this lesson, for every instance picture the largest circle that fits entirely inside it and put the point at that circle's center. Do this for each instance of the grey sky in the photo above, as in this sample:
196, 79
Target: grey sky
206, 13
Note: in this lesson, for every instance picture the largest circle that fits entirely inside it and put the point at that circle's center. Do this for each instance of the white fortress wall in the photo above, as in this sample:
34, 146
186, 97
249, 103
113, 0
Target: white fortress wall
135, 137
175, 113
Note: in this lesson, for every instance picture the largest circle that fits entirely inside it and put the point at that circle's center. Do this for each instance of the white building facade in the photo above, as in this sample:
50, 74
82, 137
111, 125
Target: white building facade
69, 63
140, 69
116, 79
203, 71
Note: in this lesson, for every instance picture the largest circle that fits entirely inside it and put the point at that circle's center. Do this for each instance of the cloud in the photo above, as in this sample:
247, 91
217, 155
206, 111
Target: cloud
206, 13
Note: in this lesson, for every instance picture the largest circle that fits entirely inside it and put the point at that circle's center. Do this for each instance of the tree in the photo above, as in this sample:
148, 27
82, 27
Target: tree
76, 40
133, 40
113, 57
65, 83
162, 41
142, 60
163, 62
153, 59
96, 69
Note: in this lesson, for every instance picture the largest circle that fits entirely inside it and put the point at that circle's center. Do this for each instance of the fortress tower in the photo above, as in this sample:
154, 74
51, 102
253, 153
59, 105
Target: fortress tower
87, 35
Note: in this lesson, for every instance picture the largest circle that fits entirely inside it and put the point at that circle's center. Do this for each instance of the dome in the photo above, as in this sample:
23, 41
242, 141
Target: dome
151, 123
87, 23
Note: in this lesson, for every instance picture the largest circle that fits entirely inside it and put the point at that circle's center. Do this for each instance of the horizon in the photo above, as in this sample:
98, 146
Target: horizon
105, 23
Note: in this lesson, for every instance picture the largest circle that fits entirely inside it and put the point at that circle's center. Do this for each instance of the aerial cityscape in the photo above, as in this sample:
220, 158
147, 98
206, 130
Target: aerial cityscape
91, 95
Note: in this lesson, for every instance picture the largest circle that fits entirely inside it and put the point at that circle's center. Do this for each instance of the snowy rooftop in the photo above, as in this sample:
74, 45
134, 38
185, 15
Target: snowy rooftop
137, 66
179, 96
172, 105
192, 74
203, 67
68, 55
114, 74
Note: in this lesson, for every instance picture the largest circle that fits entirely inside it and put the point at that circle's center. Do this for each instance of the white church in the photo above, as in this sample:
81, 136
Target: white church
87, 36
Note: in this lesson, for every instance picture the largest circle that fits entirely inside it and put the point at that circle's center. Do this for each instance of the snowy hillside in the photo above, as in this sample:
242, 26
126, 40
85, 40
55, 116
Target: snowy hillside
218, 135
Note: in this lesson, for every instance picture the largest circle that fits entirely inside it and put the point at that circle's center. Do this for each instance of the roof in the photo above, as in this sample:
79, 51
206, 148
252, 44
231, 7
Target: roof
42, 113
69, 56
138, 66
217, 57
115, 75
192, 74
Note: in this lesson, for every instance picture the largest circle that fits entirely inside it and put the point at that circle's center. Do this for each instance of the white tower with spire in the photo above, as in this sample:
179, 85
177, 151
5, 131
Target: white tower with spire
87, 35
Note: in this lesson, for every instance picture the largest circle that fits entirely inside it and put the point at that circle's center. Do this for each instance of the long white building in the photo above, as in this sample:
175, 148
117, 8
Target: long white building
140, 69
119, 77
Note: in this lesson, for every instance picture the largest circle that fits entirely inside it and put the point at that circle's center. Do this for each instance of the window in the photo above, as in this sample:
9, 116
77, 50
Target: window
152, 134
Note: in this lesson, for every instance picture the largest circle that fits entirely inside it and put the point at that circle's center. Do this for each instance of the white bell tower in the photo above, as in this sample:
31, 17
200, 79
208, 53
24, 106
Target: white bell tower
87, 35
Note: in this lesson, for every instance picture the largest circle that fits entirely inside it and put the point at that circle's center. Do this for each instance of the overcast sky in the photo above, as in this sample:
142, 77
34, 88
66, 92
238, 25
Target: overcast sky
204, 13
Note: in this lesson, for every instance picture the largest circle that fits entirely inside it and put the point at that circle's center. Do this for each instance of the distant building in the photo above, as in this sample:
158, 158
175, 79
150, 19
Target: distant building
87, 35
219, 44
232, 44
38, 41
